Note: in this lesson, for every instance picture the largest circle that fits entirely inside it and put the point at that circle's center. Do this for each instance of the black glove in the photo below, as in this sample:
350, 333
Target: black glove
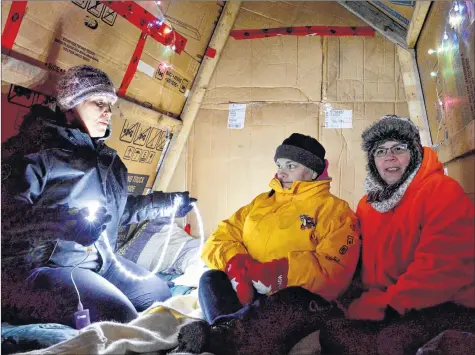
81, 229
165, 200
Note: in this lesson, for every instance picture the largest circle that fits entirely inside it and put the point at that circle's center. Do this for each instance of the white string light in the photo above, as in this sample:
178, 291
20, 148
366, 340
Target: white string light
126, 272
454, 19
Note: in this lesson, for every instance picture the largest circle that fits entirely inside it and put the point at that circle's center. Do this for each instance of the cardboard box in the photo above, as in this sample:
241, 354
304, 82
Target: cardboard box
195, 20
450, 95
60, 34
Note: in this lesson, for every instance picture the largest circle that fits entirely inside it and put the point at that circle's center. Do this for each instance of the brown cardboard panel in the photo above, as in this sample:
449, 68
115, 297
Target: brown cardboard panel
325, 13
454, 82
281, 11
270, 69
59, 35
248, 20
463, 170
361, 69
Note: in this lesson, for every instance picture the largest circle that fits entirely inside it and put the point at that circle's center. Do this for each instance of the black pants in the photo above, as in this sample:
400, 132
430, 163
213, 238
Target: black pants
217, 297
397, 336
269, 325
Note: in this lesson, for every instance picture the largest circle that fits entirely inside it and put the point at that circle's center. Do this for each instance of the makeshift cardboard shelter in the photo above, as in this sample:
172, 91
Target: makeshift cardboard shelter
289, 78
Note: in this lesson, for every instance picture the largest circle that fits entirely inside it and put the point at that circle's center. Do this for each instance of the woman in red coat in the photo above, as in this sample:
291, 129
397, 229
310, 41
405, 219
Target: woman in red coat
418, 251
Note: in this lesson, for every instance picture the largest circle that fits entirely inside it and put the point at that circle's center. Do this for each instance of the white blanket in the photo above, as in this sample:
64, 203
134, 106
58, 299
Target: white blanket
155, 329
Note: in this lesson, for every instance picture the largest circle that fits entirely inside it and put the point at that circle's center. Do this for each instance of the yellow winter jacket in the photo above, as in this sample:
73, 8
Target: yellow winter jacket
305, 223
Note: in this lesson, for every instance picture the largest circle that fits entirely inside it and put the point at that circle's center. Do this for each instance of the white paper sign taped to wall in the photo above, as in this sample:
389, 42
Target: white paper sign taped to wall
339, 119
237, 116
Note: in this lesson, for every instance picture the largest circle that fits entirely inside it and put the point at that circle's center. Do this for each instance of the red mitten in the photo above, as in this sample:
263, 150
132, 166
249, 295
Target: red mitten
237, 273
269, 277
370, 306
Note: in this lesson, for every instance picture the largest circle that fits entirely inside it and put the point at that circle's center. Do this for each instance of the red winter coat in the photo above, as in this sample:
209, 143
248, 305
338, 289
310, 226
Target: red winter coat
421, 253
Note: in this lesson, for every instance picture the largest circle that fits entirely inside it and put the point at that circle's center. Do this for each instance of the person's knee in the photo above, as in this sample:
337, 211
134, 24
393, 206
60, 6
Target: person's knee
213, 276
149, 291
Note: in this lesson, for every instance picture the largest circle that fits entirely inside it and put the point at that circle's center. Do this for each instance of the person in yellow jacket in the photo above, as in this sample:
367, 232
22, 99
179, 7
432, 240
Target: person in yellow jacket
289, 249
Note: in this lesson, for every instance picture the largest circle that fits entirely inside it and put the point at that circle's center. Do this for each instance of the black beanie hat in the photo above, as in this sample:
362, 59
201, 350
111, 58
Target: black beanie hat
391, 128
303, 149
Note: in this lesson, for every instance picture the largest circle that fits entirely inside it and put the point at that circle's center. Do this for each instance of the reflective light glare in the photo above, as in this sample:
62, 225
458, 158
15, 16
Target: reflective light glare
433, 73
431, 51
455, 20
152, 273
93, 207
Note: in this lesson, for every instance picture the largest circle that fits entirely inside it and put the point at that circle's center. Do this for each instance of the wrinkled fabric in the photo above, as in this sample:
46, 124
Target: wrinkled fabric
421, 253
317, 232
34, 336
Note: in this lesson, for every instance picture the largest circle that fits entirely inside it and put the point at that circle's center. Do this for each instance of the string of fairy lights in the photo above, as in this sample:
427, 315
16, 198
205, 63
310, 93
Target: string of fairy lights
159, 22
163, 212
455, 18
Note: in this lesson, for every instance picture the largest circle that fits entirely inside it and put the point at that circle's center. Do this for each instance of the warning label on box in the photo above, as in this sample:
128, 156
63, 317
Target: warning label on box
173, 79
339, 119
77, 50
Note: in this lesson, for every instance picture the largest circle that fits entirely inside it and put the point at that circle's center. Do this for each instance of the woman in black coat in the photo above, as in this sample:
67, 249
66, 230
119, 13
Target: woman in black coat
52, 171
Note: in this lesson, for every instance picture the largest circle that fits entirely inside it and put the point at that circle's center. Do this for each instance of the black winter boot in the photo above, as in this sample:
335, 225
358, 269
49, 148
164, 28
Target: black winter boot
271, 326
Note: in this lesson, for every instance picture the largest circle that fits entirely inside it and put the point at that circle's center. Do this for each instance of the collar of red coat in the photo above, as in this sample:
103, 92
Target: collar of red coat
430, 166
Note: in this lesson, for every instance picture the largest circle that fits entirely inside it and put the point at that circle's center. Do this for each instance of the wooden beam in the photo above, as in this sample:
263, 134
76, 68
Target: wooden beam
193, 104
381, 22
414, 95
418, 18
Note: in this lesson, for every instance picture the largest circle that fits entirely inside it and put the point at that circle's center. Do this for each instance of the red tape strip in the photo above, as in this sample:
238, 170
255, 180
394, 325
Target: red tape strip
366, 31
210, 52
132, 68
146, 22
12, 25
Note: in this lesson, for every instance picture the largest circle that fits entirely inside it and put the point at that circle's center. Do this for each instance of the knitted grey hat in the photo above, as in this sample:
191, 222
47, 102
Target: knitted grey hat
303, 149
391, 128
80, 83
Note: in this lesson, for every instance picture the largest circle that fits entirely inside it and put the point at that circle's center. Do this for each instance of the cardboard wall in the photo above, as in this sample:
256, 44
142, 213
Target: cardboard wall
288, 84
463, 170
61, 34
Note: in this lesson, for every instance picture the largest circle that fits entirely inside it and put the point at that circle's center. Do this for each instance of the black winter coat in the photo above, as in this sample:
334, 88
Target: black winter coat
50, 167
